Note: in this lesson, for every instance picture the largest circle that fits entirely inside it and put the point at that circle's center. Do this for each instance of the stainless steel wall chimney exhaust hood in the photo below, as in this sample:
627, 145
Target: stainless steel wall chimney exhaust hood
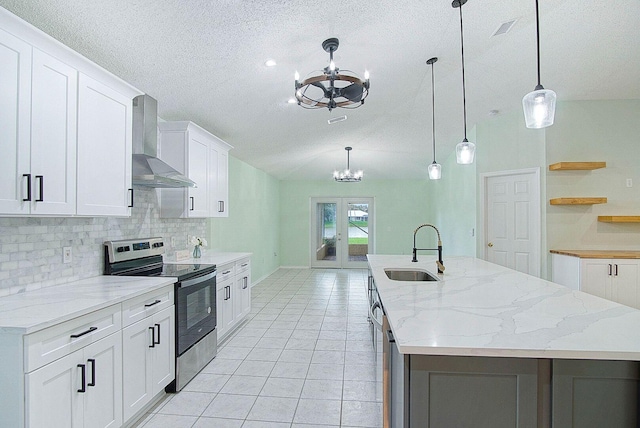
147, 169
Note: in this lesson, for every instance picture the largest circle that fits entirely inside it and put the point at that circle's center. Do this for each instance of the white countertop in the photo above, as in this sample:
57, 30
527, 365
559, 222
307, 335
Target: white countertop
31, 311
214, 258
483, 309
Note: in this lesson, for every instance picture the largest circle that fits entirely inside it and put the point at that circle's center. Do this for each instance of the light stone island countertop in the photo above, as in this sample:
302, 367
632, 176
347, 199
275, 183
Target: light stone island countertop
27, 312
483, 309
214, 258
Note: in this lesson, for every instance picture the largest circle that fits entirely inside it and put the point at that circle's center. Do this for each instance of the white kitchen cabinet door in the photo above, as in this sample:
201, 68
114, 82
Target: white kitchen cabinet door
103, 399
148, 350
163, 354
53, 136
243, 296
219, 179
225, 297
138, 384
221, 297
595, 278
15, 104
198, 203
52, 394
104, 150
58, 396
613, 279
625, 282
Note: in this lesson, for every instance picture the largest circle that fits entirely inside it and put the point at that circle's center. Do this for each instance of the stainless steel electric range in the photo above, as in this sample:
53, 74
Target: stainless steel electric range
194, 299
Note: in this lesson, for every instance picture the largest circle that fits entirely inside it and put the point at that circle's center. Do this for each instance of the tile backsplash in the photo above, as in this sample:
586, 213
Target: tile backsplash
31, 247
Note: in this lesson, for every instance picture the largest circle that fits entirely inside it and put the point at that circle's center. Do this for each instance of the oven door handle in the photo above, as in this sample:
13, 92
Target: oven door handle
374, 320
198, 280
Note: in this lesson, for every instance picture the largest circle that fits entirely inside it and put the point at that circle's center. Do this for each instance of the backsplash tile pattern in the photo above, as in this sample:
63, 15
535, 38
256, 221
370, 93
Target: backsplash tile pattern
31, 247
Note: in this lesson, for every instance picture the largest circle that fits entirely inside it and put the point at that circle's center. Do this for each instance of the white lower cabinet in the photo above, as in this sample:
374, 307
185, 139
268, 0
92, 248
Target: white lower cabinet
233, 297
148, 351
82, 389
613, 279
100, 369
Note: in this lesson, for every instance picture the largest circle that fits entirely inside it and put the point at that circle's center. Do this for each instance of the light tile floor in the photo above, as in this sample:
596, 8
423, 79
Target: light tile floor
303, 358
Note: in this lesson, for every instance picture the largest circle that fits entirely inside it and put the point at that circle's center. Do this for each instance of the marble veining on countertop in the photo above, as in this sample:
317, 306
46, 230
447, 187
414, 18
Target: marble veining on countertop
27, 312
483, 309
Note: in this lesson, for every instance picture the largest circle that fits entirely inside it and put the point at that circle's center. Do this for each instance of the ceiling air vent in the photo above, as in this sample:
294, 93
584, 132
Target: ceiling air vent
504, 27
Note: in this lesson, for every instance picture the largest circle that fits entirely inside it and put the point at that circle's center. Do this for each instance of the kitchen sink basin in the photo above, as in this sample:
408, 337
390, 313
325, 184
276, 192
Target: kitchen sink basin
409, 275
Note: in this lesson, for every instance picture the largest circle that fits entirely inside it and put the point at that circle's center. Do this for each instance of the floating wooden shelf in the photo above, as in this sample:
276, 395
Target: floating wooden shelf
577, 201
576, 166
619, 218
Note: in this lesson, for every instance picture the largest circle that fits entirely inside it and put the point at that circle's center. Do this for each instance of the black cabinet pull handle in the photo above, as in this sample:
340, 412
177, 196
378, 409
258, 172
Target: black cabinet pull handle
158, 342
244, 264
610, 269
148, 305
226, 272
192, 203
89, 330
40, 179
245, 282
28, 198
93, 372
153, 337
130, 198
616, 269
84, 378
220, 206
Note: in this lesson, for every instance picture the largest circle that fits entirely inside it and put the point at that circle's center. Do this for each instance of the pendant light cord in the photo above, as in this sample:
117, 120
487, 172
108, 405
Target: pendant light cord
433, 115
464, 97
538, 40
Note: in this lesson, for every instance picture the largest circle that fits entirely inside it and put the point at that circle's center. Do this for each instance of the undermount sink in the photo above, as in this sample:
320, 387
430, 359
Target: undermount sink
409, 275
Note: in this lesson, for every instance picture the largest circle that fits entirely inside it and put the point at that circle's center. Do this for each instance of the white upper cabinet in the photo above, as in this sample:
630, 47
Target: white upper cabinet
203, 158
54, 94
104, 150
15, 106
219, 178
65, 129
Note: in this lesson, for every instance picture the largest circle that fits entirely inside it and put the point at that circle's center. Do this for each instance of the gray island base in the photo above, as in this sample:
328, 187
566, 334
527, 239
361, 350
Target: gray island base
478, 349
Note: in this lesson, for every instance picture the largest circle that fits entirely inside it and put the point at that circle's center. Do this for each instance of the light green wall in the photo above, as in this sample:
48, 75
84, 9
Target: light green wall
268, 216
595, 131
400, 206
254, 218
506, 144
454, 210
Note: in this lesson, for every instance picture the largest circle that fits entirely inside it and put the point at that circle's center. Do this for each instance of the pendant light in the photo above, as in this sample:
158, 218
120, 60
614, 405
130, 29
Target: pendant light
465, 151
435, 170
540, 105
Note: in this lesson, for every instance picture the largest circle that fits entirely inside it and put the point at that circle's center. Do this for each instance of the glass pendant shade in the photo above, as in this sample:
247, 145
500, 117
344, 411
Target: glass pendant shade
465, 152
435, 171
539, 108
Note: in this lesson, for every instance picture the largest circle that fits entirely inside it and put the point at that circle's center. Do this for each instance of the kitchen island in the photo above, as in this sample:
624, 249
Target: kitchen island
488, 346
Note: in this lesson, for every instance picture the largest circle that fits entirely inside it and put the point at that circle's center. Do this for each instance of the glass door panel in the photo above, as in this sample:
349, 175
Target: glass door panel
333, 218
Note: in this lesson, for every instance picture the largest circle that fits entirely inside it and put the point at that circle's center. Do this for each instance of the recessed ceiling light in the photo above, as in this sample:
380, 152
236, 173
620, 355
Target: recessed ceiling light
270, 63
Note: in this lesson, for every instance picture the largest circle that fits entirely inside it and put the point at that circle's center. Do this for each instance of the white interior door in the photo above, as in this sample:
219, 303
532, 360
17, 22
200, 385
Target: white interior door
341, 232
512, 219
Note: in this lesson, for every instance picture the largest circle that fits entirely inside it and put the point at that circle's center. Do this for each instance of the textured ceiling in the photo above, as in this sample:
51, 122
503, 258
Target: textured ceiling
204, 61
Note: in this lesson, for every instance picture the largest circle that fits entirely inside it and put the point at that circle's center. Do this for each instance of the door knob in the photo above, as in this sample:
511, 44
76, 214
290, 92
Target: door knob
490, 244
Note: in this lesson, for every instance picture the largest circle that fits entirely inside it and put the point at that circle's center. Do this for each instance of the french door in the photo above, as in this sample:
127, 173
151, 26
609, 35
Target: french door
341, 232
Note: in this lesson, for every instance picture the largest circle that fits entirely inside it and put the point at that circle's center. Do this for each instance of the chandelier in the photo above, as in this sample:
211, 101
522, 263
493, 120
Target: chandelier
348, 176
331, 87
